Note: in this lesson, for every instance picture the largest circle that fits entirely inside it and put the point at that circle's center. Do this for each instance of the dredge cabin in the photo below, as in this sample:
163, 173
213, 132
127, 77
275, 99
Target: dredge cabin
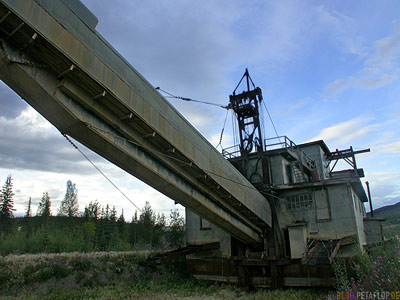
318, 211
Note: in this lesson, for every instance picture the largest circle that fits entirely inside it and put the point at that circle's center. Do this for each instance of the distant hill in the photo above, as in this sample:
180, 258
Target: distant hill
388, 212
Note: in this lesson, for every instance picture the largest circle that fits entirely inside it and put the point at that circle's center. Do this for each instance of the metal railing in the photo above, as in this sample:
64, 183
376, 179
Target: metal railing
283, 142
231, 152
280, 142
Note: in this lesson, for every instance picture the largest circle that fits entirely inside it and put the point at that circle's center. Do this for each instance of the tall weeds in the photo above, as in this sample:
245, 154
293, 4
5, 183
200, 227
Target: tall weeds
377, 269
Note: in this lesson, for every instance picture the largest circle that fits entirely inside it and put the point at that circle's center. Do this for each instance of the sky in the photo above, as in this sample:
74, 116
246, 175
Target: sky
328, 70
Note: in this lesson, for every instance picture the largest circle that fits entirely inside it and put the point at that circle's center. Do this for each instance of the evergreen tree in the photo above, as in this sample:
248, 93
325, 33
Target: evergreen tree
147, 216
106, 213
112, 230
113, 215
177, 228
28, 215
133, 232
6, 205
29, 210
89, 234
146, 224
121, 224
159, 230
106, 229
161, 220
44, 208
92, 210
100, 231
69, 206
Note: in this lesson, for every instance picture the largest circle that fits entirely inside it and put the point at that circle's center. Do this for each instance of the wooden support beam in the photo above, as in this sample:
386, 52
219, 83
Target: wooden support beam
335, 251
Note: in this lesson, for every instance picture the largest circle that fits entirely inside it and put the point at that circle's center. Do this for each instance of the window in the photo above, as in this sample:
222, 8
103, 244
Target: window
289, 174
299, 202
322, 204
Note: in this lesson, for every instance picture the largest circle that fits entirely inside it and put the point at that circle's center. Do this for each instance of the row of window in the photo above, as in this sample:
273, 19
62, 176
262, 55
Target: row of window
299, 202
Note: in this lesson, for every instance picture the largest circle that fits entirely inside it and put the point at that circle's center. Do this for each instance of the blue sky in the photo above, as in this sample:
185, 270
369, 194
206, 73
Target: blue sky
328, 70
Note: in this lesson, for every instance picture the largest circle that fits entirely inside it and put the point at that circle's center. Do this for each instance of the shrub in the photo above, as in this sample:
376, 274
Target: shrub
377, 269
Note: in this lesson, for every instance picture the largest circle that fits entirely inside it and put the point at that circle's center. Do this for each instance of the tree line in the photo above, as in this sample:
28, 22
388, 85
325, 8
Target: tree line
97, 228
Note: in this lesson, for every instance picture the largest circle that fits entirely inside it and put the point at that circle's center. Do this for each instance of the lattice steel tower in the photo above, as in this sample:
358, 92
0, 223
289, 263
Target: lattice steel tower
246, 107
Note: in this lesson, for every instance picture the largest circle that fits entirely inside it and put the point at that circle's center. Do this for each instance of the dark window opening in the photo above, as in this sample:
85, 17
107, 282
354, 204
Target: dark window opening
287, 242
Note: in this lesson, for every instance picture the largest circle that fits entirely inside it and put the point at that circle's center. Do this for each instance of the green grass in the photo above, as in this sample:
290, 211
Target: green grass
391, 227
125, 275
166, 293
116, 275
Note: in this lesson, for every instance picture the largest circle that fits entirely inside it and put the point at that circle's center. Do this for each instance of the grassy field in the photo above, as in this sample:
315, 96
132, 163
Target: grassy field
122, 275
118, 292
125, 275
391, 227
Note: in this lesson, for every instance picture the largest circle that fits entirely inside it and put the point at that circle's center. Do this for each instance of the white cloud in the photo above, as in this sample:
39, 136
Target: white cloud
385, 187
381, 68
280, 32
348, 131
366, 81
389, 148
343, 29
386, 50
90, 187
31, 142
293, 109
41, 160
28, 122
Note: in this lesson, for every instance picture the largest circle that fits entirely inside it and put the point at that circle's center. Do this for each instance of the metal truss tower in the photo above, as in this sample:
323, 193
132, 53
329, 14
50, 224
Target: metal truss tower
246, 108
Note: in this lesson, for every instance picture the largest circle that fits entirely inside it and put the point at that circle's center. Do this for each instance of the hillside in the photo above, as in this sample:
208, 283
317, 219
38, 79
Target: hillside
388, 212
391, 226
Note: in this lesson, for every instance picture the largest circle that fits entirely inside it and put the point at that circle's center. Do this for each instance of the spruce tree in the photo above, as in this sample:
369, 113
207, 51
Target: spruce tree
6, 205
113, 230
69, 206
29, 209
92, 210
146, 224
29, 215
159, 229
44, 208
109, 225
113, 215
121, 224
100, 231
133, 232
